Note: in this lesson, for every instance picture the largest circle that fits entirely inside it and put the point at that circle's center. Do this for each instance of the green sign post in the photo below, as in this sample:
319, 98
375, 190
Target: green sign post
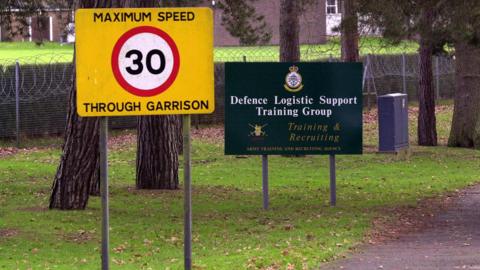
293, 108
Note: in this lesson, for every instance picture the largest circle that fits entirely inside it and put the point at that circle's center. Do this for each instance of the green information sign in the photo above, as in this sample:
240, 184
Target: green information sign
293, 108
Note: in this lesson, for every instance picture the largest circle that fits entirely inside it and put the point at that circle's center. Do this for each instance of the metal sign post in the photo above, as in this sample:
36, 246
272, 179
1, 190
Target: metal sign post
103, 145
265, 181
333, 181
17, 102
404, 74
188, 193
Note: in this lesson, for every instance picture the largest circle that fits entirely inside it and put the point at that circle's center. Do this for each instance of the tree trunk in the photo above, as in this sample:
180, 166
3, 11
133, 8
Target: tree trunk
95, 184
465, 131
427, 131
78, 175
289, 31
157, 155
349, 29
158, 142
290, 34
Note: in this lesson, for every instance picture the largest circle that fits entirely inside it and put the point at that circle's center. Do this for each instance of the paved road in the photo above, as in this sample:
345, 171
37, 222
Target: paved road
453, 242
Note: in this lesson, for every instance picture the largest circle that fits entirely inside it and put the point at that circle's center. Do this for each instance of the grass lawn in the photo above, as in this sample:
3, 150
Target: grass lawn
230, 229
28, 52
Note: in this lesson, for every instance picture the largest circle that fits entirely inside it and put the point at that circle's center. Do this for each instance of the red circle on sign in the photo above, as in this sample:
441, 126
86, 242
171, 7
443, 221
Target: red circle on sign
116, 68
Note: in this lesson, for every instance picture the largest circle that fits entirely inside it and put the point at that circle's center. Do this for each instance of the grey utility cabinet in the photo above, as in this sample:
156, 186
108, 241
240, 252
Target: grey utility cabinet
392, 122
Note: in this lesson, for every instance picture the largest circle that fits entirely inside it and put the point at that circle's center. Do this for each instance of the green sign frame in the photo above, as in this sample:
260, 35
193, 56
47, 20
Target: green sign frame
293, 108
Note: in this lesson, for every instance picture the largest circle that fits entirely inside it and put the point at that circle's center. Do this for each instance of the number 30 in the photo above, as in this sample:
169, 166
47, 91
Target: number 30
139, 65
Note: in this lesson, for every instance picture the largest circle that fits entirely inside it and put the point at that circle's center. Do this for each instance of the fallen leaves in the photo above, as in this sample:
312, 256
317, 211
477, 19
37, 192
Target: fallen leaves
209, 134
310, 237
409, 218
118, 261
174, 240
120, 248
147, 242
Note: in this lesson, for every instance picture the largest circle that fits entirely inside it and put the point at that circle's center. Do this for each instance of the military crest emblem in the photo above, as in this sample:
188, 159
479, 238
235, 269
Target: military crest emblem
258, 130
293, 80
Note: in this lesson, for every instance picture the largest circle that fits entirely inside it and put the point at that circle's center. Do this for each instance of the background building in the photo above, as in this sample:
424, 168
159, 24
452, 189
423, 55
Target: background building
333, 10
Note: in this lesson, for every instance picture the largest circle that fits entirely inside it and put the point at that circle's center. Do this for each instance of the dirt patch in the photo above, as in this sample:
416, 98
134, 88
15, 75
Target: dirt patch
370, 148
7, 233
210, 134
371, 115
409, 219
122, 141
80, 237
7, 151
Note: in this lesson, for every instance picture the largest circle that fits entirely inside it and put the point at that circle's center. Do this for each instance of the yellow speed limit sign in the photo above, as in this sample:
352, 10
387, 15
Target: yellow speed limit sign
144, 61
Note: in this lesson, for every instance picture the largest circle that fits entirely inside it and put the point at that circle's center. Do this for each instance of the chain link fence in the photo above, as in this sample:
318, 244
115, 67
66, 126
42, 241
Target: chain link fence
33, 92
384, 74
